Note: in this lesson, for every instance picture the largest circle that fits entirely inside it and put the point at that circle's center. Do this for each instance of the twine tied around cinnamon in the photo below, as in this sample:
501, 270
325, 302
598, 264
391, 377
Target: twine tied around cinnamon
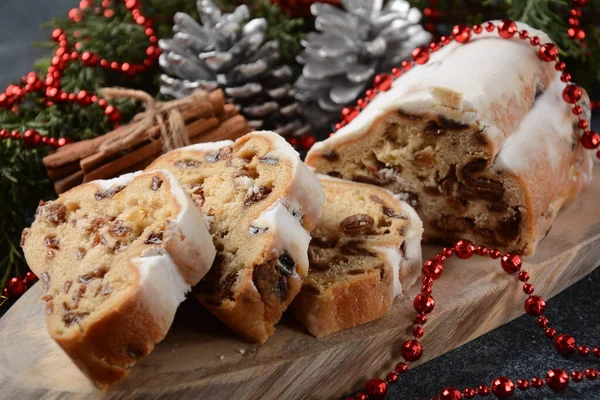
166, 114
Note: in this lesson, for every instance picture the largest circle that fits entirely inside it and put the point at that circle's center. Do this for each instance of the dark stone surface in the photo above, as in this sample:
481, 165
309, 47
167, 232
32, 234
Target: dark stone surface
518, 349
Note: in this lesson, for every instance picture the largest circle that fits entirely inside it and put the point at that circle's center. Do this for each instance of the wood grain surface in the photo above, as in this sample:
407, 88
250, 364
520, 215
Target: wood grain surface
200, 359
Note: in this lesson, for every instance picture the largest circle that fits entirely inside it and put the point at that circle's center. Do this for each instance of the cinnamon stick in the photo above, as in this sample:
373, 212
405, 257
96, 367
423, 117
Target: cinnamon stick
69, 182
230, 129
63, 170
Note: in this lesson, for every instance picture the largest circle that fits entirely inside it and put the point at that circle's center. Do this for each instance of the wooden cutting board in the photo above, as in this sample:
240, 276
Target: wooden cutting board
201, 359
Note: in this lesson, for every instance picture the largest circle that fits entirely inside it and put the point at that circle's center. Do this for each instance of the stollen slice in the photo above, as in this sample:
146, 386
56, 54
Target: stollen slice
115, 258
261, 201
364, 252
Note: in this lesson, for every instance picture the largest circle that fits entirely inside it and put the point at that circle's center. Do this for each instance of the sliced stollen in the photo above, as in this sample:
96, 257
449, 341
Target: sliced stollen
262, 201
115, 259
364, 252
479, 140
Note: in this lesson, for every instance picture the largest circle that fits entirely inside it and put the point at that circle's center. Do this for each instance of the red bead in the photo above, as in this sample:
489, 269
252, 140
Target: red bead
307, 141
461, 33
483, 390
411, 350
523, 34
577, 110
382, 82
72, 96
583, 351
406, 65
62, 141
565, 77
494, 254
537, 382
582, 124
523, 384
104, 63
572, 94
590, 140
447, 252
469, 393
339, 126
534, 41
427, 280
30, 277
591, 373
507, 28
511, 263
427, 289
56, 34
115, 66
464, 249
401, 368
102, 103
577, 376
396, 72
550, 332
420, 319
424, 303
16, 286
535, 305
434, 46
84, 98
440, 258
52, 142
4, 134
294, 141
89, 59
482, 251
420, 55
575, 12
450, 393
557, 379
131, 4
360, 396
31, 137
445, 40
5, 292
527, 288
370, 94
417, 332
489, 26
565, 344
477, 29
108, 13
16, 135
574, 22
523, 276
542, 322
433, 269
376, 388
503, 387
548, 52
391, 377
348, 114
74, 15
596, 351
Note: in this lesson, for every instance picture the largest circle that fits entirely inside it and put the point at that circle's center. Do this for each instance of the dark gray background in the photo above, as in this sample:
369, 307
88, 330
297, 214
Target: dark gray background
518, 349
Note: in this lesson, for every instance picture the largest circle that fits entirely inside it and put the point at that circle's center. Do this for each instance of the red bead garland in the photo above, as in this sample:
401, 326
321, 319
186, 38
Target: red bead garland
65, 54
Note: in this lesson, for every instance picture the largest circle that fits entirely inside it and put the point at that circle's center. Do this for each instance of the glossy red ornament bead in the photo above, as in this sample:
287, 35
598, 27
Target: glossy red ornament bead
469, 393
527, 288
376, 388
582, 124
542, 322
360, 396
534, 41
590, 140
511, 263
433, 269
523, 34
32, 138
572, 94
411, 350
391, 377
370, 94
550, 332
489, 26
596, 351
591, 373
477, 29
557, 379
424, 303
523, 384
461, 33
502, 387
445, 40
560, 66
420, 319
4, 134
417, 332
464, 249
56, 34
577, 376
427, 280
62, 141
483, 390
565, 77
577, 110
16, 286
396, 72
537, 382
348, 114
16, 135
102, 103
450, 393
89, 59
565, 344
401, 368
583, 351
523, 276
30, 277
406, 65
382, 82
535, 305
427, 289
507, 28
434, 46
420, 55
482, 251
494, 254
307, 141
440, 258
52, 142
548, 52
447, 252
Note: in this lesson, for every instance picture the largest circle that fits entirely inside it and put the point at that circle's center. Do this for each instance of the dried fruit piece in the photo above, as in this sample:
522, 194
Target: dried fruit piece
357, 224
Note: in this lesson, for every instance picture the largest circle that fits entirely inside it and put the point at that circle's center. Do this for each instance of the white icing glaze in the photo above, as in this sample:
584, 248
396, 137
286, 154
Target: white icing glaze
162, 286
288, 233
209, 146
123, 180
463, 82
410, 266
393, 258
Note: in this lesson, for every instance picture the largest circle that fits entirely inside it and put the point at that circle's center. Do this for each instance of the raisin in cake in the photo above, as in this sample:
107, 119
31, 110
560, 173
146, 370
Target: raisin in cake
478, 139
262, 202
365, 251
115, 258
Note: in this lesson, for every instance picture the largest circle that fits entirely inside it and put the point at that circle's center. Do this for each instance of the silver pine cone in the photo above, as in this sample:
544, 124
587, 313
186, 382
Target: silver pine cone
230, 51
352, 46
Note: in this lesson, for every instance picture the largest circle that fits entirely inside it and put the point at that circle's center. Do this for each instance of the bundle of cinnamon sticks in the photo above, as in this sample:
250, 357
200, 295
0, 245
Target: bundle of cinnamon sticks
205, 118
